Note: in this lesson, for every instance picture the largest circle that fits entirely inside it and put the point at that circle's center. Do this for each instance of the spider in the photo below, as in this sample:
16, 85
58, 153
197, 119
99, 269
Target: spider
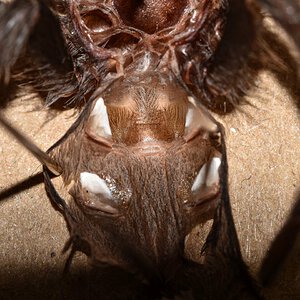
145, 162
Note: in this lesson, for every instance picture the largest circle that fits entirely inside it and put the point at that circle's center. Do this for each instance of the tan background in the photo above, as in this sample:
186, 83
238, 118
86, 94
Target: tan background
264, 168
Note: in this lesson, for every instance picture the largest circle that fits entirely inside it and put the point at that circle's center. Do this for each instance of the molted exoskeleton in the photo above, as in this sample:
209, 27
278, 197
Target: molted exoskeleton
145, 162
148, 172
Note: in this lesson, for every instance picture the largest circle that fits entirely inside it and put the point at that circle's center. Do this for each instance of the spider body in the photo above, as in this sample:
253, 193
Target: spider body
145, 75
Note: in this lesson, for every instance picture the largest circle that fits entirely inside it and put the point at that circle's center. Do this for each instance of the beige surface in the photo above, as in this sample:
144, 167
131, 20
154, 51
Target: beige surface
264, 175
30, 228
264, 166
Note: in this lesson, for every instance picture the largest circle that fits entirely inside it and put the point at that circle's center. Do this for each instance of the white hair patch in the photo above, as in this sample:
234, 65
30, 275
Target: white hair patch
192, 100
100, 118
213, 172
208, 174
189, 118
94, 184
200, 179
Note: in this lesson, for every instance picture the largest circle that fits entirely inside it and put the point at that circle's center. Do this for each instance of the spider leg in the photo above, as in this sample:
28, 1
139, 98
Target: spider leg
16, 22
33, 50
287, 13
222, 248
222, 268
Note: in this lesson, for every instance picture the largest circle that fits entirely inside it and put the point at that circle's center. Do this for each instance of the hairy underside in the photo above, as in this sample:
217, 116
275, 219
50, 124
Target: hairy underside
145, 162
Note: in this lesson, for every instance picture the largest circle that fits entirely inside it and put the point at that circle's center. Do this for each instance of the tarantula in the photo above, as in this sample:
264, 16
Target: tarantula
145, 162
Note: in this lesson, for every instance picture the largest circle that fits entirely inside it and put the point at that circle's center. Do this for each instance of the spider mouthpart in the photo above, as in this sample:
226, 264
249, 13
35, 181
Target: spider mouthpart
150, 16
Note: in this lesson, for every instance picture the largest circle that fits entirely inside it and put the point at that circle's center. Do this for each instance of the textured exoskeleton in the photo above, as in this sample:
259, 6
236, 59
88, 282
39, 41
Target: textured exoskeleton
145, 162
